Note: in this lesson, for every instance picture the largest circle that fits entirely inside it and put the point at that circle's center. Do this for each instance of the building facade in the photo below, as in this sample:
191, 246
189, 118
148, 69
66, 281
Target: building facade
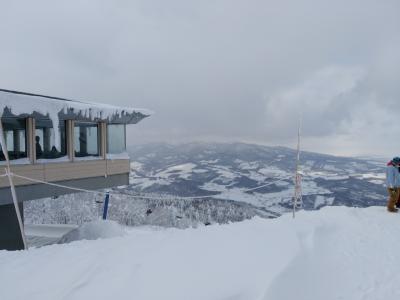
61, 141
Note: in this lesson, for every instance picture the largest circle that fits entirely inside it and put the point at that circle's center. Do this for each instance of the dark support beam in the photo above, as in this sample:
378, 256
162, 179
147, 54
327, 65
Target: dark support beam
10, 234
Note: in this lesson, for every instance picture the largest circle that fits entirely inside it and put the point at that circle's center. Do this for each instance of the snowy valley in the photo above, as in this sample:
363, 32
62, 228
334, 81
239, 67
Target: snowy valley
241, 180
236, 171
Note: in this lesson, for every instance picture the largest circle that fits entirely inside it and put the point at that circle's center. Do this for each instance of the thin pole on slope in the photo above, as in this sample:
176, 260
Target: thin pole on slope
105, 209
297, 197
12, 187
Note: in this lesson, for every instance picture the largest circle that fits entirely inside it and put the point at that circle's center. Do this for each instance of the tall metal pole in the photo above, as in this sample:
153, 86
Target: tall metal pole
297, 197
12, 187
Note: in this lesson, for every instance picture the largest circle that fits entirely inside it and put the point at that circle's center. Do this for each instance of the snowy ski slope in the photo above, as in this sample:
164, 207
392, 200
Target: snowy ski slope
333, 253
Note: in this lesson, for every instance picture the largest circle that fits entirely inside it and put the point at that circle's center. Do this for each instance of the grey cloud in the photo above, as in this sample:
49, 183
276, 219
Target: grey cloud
323, 102
215, 69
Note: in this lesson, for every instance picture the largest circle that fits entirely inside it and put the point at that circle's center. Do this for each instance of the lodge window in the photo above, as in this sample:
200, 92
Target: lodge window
116, 142
45, 140
86, 139
15, 138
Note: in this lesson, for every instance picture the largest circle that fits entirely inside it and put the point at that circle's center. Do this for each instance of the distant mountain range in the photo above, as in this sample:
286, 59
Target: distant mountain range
234, 171
240, 180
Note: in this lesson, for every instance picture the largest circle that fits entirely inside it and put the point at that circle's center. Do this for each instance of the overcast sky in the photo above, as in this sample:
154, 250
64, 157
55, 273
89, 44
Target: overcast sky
219, 70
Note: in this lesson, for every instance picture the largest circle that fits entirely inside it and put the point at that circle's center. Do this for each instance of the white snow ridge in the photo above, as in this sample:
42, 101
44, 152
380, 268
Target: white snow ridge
334, 253
93, 231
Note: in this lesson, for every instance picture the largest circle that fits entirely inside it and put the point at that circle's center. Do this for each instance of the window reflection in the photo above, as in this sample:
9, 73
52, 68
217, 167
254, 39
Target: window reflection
86, 139
116, 138
45, 140
15, 138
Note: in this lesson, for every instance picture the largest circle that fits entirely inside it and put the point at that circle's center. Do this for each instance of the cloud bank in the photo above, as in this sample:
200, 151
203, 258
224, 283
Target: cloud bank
219, 70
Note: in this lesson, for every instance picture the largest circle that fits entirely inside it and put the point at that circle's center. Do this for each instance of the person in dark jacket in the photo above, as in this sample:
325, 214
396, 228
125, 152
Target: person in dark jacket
39, 150
393, 183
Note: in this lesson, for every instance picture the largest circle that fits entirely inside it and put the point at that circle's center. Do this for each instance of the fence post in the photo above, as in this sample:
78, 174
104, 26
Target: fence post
105, 210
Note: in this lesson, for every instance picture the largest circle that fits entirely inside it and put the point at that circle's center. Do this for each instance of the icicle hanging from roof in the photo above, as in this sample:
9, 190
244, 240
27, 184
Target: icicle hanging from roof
19, 103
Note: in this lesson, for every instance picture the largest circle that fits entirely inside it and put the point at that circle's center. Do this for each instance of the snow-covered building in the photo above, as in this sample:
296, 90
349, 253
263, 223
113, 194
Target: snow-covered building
51, 139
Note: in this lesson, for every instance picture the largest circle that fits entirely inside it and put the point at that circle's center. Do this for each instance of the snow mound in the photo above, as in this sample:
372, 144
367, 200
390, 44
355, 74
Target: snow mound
93, 231
331, 254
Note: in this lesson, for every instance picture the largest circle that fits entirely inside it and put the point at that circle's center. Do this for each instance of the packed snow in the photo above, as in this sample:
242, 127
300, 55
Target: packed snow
93, 231
333, 253
48, 230
46, 234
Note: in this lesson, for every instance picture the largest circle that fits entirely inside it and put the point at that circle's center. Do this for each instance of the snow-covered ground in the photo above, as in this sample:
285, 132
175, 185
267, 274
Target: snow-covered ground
334, 253
39, 235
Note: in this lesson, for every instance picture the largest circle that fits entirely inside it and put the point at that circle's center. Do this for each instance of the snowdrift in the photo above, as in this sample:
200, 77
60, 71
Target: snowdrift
334, 253
94, 230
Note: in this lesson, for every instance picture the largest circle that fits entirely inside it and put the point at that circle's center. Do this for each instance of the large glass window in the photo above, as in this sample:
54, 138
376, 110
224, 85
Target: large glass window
116, 138
86, 139
15, 138
45, 140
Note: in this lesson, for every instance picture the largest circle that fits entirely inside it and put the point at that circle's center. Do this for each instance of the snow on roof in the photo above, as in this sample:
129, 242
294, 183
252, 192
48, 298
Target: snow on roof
21, 103
14, 103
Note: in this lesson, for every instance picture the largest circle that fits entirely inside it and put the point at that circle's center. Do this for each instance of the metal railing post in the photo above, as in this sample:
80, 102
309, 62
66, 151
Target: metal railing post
105, 210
